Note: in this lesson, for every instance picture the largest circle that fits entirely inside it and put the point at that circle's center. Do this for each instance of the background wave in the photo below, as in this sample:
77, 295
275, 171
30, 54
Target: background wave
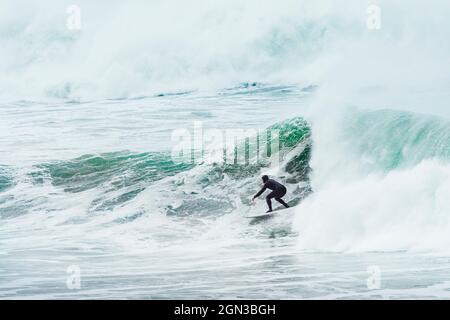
134, 49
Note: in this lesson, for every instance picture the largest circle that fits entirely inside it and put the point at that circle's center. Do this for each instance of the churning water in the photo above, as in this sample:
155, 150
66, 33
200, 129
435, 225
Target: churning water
87, 181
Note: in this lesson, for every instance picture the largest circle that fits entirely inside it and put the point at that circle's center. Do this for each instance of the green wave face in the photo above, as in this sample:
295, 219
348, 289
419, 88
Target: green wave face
388, 139
291, 132
117, 170
237, 183
127, 174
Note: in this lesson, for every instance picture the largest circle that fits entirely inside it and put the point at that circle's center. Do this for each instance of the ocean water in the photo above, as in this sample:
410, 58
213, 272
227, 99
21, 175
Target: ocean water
94, 205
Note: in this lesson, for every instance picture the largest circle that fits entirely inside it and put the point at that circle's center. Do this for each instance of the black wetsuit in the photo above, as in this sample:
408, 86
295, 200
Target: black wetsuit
278, 191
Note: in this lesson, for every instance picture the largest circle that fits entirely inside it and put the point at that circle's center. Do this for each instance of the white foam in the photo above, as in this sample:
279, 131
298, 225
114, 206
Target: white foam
404, 209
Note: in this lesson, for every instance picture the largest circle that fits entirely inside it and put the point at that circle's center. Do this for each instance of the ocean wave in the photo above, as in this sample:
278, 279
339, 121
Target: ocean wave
117, 177
393, 139
381, 180
111, 180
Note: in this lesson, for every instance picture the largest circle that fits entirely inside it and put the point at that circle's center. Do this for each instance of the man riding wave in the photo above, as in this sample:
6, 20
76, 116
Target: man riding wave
278, 191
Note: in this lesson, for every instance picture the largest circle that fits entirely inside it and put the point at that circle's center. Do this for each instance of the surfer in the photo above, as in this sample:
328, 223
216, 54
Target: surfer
278, 191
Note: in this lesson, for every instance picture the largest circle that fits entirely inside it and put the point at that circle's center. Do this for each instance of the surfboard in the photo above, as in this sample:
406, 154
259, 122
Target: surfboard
275, 211
267, 214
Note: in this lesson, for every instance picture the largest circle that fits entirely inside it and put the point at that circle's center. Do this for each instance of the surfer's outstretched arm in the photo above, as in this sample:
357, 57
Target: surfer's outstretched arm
260, 192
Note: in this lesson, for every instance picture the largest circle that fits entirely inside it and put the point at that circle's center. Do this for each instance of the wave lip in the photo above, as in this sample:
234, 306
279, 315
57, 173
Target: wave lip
390, 139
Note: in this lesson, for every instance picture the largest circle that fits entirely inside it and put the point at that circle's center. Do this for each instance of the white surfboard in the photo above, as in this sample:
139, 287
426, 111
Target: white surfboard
267, 214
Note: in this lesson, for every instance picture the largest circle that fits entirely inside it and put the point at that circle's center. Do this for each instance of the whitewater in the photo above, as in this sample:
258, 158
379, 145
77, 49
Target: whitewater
93, 205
